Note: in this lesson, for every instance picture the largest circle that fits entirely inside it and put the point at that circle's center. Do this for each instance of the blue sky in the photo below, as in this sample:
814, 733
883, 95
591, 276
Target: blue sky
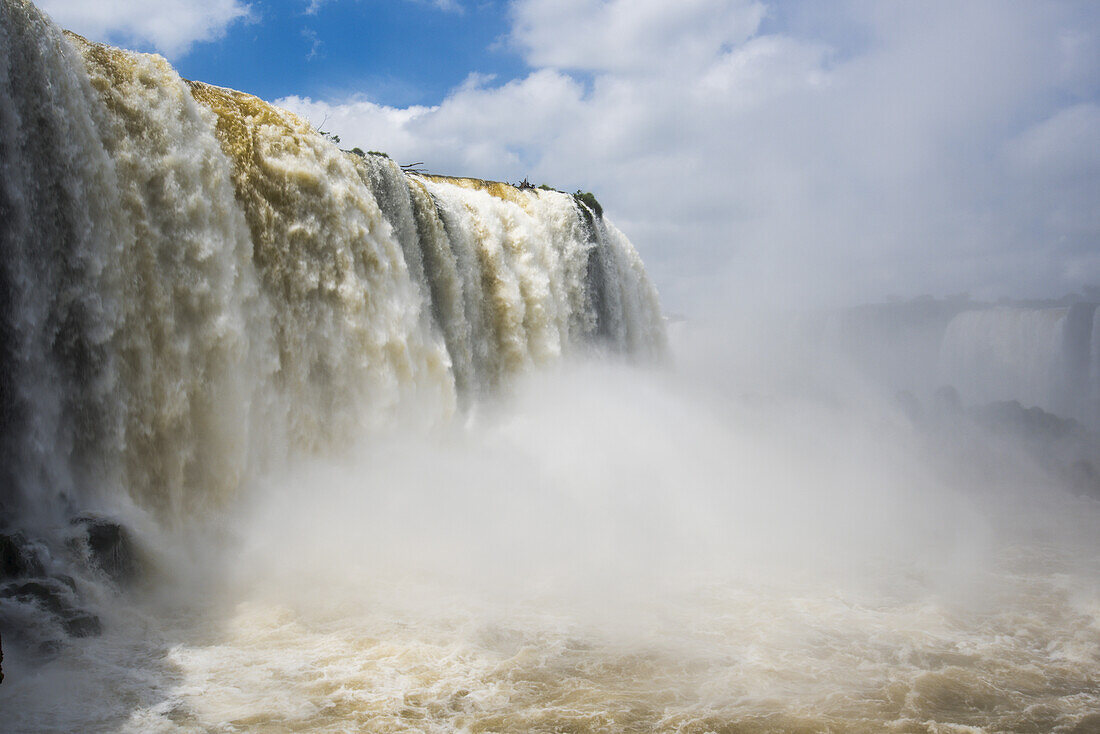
755, 151
395, 52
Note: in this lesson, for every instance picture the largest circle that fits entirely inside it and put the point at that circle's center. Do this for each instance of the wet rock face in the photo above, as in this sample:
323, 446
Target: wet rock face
30, 581
1032, 423
979, 435
35, 591
50, 595
58, 599
18, 559
82, 624
106, 545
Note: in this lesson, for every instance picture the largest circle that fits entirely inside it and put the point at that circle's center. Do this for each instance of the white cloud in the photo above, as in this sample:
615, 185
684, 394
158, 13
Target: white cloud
315, 43
1066, 145
1055, 169
630, 34
168, 26
477, 130
899, 149
364, 124
448, 6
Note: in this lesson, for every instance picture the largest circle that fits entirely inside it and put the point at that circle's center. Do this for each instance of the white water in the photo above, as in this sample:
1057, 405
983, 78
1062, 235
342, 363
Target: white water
389, 453
1045, 357
202, 285
614, 549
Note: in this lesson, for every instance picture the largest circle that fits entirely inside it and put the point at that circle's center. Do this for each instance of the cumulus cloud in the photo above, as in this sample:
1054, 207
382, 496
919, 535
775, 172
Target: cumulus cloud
624, 35
168, 26
757, 152
478, 129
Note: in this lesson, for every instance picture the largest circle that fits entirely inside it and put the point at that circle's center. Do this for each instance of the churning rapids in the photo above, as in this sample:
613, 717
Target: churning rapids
291, 440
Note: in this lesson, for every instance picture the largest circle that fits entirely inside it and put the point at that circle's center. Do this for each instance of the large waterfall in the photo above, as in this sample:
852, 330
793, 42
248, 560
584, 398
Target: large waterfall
1041, 354
1045, 357
197, 283
294, 440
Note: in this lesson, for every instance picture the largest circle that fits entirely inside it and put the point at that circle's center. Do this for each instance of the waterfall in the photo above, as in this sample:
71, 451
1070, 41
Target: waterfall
1045, 357
197, 284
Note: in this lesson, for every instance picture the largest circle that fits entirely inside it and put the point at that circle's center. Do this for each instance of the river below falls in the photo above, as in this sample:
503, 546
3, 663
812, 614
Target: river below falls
606, 551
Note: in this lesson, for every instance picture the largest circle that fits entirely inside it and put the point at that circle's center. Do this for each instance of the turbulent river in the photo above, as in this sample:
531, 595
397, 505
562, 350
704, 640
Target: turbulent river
292, 440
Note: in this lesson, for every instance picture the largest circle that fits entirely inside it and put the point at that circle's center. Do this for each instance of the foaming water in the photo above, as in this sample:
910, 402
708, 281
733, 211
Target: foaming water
614, 549
589, 564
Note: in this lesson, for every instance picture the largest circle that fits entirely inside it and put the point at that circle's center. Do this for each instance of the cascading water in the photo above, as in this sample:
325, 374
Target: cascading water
195, 277
1038, 356
197, 287
280, 451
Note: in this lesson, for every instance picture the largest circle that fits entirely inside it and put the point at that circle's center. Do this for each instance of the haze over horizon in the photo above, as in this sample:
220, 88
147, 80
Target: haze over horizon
756, 152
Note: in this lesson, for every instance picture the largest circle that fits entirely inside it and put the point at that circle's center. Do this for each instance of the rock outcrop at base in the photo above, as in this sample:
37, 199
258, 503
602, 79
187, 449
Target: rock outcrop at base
34, 585
105, 545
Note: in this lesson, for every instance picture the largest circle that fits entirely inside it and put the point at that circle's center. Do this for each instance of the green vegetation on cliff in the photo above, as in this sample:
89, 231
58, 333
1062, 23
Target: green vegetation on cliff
589, 200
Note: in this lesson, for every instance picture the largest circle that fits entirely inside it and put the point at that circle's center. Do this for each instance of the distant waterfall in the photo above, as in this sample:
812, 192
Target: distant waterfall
197, 284
1045, 357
